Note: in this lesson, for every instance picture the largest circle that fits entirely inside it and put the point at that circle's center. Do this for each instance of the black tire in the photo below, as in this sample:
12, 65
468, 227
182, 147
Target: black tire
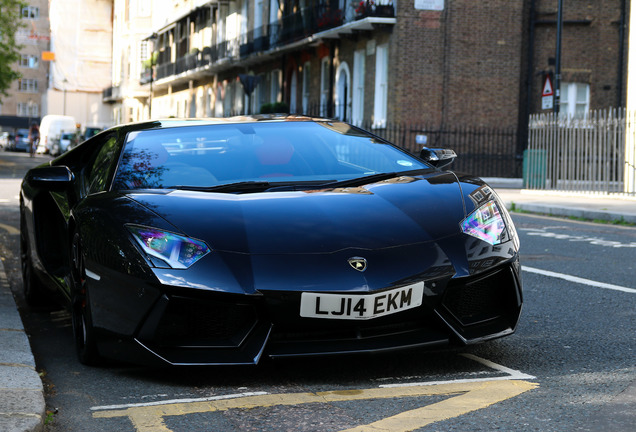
83, 331
35, 294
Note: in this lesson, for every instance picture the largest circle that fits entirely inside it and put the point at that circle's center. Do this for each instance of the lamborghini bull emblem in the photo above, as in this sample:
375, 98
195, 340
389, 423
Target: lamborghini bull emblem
358, 263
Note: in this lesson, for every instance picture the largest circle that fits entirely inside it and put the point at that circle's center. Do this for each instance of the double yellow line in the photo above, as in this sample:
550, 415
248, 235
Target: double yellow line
463, 398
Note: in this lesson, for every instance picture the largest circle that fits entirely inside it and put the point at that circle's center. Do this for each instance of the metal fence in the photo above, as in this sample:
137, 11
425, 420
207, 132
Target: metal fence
485, 152
579, 155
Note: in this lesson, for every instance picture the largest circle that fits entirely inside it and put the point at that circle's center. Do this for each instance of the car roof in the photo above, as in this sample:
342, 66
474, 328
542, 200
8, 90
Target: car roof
181, 122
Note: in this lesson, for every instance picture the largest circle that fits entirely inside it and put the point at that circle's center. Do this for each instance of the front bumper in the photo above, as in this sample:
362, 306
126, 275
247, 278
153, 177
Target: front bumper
208, 328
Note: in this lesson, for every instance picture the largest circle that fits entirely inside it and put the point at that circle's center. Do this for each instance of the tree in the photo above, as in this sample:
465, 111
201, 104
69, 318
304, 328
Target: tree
10, 22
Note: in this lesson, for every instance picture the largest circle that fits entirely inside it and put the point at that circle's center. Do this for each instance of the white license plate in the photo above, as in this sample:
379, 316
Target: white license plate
361, 306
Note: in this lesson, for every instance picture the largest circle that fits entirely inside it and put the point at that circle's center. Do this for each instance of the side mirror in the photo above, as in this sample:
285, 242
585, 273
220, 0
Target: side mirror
53, 178
438, 157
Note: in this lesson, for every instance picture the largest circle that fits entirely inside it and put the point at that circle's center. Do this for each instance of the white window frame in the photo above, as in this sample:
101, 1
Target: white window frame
357, 102
381, 86
26, 109
343, 93
29, 61
26, 85
572, 105
31, 12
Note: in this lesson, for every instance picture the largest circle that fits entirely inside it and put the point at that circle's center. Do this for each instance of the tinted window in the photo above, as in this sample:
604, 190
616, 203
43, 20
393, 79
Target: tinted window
225, 153
99, 170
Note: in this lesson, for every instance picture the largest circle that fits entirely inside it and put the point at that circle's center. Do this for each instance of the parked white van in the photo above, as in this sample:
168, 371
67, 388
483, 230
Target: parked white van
51, 128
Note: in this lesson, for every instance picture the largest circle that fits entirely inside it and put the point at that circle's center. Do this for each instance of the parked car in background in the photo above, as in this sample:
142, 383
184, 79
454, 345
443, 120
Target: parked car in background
52, 127
4, 140
67, 140
22, 142
10, 146
90, 131
223, 241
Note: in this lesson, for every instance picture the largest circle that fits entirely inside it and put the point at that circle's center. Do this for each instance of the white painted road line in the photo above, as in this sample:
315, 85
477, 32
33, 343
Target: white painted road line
177, 401
512, 375
579, 280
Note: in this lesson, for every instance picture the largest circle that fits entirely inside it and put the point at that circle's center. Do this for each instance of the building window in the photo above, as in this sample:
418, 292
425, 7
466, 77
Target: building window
306, 84
29, 61
324, 86
275, 86
31, 12
293, 92
28, 85
343, 92
357, 107
29, 109
575, 100
381, 86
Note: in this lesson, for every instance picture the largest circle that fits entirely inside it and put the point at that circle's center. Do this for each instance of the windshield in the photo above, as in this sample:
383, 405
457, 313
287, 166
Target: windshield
278, 152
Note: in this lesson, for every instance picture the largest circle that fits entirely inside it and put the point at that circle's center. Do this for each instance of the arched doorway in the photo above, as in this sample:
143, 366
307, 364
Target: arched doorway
343, 93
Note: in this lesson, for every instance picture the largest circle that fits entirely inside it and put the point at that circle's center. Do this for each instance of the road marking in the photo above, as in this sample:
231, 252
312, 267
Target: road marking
579, 280
464, 396
11, 230
474, 396
512, 375
165, 402
470, 397
591, 240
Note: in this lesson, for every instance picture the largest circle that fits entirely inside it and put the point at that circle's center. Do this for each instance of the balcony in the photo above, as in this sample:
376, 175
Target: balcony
307, 25
146, 76
111, 94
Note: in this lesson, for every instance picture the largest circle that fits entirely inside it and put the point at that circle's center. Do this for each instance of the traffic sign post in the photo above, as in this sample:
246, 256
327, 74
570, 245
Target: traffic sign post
547, 95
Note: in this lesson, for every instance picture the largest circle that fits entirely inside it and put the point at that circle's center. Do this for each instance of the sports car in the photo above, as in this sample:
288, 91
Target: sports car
226, 241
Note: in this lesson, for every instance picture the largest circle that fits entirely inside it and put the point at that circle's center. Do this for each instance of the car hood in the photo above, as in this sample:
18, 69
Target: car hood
401, 211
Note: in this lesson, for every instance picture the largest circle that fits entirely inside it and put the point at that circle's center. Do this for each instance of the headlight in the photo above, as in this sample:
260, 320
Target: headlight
175, 251
486, 223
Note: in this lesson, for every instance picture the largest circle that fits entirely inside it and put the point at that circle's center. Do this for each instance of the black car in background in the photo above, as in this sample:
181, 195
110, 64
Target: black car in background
221, 241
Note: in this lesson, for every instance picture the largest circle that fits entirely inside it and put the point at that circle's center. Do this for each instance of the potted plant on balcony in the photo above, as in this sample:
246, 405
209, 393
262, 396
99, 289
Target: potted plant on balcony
364, 8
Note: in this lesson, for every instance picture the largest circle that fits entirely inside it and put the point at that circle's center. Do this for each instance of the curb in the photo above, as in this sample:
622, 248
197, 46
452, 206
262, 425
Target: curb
560, 210
22, 406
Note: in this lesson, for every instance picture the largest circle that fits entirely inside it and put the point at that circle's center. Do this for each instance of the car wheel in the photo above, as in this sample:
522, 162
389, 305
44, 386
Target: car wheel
35, 293
83, 330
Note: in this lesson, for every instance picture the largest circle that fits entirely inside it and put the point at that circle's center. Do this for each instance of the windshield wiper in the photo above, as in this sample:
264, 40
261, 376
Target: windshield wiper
373, 178
242, 186
264, 186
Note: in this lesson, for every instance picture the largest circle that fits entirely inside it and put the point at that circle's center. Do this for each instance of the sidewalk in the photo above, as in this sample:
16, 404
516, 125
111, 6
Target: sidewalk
589, 207
21, 393
22, 406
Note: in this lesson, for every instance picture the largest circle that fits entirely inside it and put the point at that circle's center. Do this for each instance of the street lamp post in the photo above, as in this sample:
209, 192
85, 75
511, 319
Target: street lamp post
65, 82
557, 65
153, 60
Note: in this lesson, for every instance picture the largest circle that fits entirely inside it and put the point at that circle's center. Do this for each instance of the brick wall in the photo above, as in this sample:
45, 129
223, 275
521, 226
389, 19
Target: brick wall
590, 51
460, 65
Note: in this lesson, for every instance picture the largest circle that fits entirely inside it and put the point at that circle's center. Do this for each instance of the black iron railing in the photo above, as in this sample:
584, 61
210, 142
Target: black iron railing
290, 28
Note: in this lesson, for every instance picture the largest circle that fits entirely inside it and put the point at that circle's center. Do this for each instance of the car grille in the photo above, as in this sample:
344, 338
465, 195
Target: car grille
198, 323
483, 299
344, 331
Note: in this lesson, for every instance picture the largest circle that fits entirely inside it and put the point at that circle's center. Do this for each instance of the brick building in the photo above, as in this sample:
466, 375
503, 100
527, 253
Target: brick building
442, 63
593, 53
23, 105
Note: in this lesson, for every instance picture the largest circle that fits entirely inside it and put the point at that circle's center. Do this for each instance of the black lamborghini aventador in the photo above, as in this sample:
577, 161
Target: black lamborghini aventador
221, 241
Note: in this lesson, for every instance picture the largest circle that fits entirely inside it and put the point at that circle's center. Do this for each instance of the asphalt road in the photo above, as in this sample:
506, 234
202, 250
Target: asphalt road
569, 366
